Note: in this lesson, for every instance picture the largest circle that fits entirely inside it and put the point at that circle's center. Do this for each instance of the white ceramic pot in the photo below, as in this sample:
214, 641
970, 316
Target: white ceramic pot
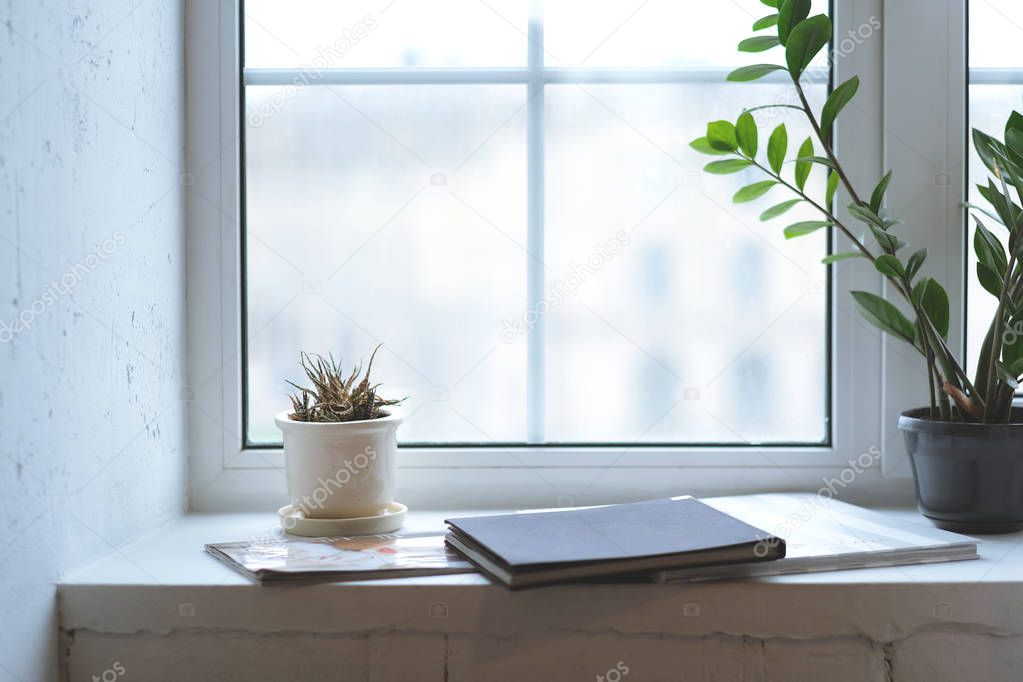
340, 470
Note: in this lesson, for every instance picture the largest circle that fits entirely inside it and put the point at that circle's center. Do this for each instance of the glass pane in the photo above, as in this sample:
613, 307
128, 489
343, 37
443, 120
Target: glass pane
384, 33
652, 33
676, 316
395, 215
996, 29
990, 106
993, 25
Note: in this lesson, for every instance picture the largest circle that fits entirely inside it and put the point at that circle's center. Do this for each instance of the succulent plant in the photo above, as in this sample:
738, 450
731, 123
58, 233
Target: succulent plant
333, 396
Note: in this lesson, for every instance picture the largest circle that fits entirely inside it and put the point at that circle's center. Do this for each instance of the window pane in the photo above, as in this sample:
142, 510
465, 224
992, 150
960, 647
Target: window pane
393, 214
384, 33
651, 33
996, 28
993, 25
397, 214
676, 312
990, 106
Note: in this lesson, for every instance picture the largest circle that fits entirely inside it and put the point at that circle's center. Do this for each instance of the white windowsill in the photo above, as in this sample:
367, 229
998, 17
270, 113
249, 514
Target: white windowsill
164, 583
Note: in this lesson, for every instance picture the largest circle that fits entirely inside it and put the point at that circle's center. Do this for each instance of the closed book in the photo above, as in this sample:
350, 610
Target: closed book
529, 549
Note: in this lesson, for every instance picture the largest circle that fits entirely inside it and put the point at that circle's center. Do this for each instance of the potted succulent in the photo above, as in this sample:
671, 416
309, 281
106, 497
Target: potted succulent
966, 444
340, 444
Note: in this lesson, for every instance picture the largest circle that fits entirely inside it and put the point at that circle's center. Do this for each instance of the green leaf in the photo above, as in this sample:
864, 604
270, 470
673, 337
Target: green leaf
889, 266
754, 191
984, 360
824, 161
841, 256
778, 209
888, 242
837, 100
884, 315
753, 72
832, 187
988, 279
777, 147
770, 3
887, 220
805, 41
983, 210
758, 44
878, 195
988, 149
804, 228
989, 249
726, 166
1005, 374
1014, 144
790, 13
746, 134
721, 136
864, 214
701, 145
915, 262
934, 301
1007, 210
803, 167
1012, 342
1014, 122
765, 22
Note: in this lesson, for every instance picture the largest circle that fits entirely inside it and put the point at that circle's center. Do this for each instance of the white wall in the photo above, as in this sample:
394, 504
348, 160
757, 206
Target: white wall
92, 430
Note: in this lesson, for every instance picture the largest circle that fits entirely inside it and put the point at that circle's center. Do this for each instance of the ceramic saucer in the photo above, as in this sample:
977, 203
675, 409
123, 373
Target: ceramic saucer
294, 521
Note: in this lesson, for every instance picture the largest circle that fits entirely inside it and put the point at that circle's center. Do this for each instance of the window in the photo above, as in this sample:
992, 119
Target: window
507, 201
996, 88
444, 149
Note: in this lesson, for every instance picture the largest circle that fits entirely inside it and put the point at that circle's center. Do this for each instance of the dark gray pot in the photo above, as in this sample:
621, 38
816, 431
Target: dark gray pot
969, 477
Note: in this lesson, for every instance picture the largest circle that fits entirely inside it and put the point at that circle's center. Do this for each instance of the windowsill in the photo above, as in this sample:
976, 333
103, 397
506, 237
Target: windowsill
164, 583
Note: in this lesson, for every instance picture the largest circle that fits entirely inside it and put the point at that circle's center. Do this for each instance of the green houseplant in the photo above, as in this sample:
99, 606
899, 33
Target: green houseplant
966, 445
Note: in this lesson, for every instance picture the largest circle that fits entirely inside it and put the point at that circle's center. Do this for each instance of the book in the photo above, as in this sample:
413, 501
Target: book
828, 535
370, 557
529, 549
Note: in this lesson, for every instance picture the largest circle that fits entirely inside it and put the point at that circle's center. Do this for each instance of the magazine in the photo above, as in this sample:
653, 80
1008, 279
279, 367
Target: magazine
369, 557
829, 535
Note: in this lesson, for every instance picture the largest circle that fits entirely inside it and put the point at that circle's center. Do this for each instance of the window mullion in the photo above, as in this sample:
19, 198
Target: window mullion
536, 339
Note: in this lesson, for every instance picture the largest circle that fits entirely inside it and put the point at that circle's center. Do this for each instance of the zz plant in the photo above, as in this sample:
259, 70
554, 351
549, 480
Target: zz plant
921, 317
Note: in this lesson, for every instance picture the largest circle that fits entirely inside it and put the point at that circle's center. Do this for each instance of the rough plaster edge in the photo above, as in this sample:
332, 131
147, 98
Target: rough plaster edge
758, 644
952, 627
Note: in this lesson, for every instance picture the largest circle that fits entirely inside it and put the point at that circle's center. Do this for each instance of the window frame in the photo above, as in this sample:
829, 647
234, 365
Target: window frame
868, 374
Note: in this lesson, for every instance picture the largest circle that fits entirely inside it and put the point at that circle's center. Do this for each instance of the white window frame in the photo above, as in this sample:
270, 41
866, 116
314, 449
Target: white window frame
871, 379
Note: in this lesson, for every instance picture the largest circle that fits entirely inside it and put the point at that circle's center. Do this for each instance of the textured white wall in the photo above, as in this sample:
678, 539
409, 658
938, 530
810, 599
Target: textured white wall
92, 430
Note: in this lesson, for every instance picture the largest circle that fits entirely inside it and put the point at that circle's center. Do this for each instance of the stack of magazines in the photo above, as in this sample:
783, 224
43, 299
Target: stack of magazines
665, 540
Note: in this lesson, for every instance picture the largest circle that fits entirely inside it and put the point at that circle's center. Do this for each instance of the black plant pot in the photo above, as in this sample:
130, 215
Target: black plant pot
969, 477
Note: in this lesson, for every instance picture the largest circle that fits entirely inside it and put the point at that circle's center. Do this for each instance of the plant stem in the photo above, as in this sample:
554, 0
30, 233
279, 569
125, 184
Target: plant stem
945, 358
931, 342
996, 340
930, 374
827, 148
